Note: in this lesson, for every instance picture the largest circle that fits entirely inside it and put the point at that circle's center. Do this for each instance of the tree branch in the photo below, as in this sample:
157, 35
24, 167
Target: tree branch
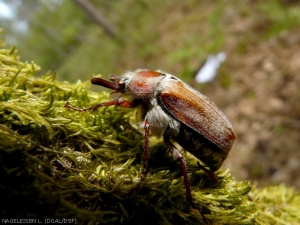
97, 17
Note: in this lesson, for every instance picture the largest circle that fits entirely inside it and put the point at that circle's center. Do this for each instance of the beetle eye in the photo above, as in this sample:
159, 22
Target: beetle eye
124, 79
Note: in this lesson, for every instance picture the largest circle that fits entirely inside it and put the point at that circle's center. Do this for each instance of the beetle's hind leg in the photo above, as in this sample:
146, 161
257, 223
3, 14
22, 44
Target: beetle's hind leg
178, 156
209, 173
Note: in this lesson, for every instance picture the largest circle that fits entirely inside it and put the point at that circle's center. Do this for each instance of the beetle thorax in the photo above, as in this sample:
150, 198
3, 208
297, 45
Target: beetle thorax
159, 121
141, 84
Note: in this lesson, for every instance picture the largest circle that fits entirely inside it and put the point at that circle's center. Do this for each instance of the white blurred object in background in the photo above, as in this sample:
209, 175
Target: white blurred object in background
209, 70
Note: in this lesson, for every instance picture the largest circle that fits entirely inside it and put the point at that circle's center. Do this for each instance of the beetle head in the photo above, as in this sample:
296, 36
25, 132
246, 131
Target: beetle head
140, 83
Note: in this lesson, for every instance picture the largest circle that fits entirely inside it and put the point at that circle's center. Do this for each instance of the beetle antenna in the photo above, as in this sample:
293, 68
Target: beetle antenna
114, 84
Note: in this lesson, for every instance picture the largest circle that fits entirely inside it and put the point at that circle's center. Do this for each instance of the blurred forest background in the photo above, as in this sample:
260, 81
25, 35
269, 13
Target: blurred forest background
258, 86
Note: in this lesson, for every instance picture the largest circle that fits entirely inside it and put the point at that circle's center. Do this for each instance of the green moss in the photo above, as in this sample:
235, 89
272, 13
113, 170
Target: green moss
59, 163
278, 204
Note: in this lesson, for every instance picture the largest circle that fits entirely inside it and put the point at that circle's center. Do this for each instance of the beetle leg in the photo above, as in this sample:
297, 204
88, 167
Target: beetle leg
209, 173
178, 156
118, 102
145, 156
145, 153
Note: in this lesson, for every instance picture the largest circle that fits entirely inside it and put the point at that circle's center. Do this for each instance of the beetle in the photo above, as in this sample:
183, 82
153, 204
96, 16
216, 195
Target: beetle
177, 112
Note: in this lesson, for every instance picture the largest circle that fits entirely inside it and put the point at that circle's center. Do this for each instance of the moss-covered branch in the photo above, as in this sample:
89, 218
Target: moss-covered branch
58, 163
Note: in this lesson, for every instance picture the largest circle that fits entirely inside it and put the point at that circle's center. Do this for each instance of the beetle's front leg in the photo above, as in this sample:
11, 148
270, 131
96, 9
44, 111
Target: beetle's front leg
118, 102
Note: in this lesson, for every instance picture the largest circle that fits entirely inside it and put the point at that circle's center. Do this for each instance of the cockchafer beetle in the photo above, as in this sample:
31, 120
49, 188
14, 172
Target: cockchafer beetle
176, 111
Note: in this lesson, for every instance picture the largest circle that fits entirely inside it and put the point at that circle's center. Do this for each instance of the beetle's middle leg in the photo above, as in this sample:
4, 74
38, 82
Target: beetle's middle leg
145, 155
